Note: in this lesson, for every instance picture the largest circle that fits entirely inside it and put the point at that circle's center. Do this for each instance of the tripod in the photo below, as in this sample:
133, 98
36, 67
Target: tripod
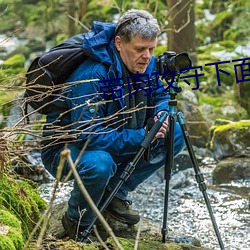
168, 164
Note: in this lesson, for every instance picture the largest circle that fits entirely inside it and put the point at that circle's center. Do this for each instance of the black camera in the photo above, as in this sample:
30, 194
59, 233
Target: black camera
170, 61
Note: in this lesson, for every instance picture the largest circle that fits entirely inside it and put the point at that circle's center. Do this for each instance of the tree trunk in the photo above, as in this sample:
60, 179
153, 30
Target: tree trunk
181, 34
83, 7
242, 88
72, 13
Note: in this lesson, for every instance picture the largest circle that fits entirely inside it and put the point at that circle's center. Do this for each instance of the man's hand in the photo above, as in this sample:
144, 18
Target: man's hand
164, 128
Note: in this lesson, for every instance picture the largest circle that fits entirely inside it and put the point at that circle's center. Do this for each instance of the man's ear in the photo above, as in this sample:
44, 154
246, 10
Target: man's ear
118, 42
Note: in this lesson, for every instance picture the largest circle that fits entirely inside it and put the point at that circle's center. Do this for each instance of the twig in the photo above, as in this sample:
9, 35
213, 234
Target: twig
77, 21
66, 154
137, 236
99, 238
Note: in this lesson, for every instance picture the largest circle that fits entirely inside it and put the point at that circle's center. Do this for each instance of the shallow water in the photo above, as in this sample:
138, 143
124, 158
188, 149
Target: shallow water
187, 212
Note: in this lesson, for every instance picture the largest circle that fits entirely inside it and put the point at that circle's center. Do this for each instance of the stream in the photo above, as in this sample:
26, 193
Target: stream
187, 212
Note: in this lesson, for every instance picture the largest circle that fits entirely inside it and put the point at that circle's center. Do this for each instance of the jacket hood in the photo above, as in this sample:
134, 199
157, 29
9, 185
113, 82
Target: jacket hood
98, 42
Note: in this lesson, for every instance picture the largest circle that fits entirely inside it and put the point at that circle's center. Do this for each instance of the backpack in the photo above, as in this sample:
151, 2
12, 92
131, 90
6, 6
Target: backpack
47, 74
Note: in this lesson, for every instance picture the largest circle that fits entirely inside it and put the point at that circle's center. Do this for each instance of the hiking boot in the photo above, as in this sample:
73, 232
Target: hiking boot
121, 211
75, 231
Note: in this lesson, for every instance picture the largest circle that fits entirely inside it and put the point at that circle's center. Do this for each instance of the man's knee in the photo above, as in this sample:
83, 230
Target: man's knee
97, 165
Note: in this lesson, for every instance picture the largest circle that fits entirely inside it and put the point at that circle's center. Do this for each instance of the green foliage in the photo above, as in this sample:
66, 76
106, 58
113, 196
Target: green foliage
219, 36
13, 66
16, 61
218, 102
160, 50
229, 22
212, 100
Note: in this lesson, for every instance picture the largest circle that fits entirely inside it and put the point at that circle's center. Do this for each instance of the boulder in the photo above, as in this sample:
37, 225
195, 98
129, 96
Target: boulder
231, 169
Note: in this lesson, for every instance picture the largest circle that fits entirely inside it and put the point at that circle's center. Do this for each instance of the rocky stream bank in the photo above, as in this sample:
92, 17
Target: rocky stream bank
188, 219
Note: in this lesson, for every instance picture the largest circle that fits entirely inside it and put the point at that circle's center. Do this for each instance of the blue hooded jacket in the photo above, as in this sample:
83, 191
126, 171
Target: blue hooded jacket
89, 118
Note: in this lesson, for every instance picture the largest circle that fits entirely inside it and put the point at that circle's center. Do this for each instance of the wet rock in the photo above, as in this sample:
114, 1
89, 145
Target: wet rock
231, 169
197, 125
181, 179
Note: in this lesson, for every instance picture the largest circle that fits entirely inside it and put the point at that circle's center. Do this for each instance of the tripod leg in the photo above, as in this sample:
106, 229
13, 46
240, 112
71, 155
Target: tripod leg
168, 173
199, 176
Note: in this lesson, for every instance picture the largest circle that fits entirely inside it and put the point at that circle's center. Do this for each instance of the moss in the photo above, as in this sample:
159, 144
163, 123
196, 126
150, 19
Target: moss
16, 237
222, 122
13, 239
6, 243
235, 125
20, 198
212, 100
9, 219
220, 102
65, 245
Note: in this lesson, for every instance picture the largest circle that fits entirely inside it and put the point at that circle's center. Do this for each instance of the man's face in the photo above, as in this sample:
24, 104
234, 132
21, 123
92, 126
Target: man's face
137, 53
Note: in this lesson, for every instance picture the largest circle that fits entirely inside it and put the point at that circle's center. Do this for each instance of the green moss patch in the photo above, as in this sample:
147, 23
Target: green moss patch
22, 200
10, 231
230, 139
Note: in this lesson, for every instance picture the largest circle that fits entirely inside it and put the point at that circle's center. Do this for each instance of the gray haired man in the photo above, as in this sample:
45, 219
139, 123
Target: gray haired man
112, 129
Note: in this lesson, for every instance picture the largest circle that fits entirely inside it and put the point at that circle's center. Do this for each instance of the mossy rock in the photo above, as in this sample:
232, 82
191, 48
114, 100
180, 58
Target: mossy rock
128, 244
21, 199
11, 237
232, 139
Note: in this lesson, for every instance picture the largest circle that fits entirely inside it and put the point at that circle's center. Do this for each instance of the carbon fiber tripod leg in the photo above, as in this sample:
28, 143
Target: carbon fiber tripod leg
199, 176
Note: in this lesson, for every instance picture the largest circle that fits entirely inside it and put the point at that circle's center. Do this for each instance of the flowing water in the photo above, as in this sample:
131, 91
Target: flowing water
187, 212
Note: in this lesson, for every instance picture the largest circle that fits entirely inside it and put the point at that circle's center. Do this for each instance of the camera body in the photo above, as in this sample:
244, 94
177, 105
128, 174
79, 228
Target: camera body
169, 61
